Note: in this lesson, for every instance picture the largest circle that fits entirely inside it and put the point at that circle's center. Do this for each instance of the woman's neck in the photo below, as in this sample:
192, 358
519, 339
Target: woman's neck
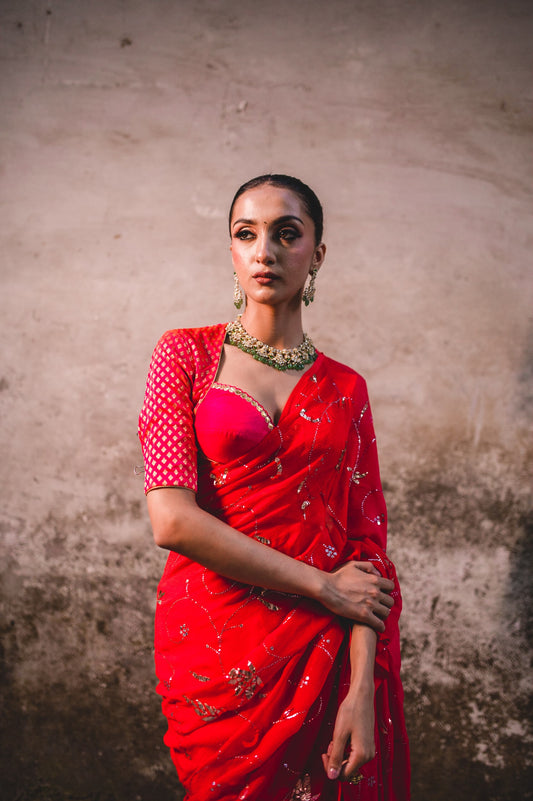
276, 327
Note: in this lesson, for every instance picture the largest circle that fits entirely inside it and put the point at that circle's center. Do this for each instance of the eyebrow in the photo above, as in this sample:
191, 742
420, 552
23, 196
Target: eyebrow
277, 221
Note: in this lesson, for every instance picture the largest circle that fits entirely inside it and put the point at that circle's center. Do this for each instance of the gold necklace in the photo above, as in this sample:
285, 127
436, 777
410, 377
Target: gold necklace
279, 358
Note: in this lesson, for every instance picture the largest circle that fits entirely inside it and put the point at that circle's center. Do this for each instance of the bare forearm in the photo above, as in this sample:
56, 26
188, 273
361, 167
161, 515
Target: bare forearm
355, 719
355, 590
209, 541
362, 656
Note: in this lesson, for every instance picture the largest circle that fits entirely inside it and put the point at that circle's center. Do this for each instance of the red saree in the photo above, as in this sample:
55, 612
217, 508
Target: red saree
251, 679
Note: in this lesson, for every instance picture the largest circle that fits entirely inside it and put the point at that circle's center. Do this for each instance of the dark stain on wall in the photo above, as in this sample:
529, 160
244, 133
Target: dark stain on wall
467, 531
81, 720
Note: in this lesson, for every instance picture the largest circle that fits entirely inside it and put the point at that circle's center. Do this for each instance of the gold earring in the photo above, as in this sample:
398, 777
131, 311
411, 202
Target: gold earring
308, 295
238, 297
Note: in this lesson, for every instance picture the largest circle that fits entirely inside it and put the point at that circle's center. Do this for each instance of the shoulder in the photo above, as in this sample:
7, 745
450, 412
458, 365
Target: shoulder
345, 377
348, 383
193, 346
204, 337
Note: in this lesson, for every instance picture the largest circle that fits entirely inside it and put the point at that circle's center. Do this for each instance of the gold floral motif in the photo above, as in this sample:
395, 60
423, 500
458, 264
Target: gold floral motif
219, 480
199, 677
305, 416
302, 790
245, 681
341, 457
205, 711
356, 477
279, 468
264, 540
269, 605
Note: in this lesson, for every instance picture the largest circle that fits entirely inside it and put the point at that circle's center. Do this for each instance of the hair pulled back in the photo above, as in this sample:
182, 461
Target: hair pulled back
310, 201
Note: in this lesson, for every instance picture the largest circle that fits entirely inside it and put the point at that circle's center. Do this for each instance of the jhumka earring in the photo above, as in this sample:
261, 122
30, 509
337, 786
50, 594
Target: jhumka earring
308, 295
238, 297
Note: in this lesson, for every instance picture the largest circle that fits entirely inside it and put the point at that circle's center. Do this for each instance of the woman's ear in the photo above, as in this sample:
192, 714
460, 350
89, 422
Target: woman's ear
319, 256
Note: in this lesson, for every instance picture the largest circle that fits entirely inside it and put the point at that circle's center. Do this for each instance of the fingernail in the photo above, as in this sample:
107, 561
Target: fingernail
333, 773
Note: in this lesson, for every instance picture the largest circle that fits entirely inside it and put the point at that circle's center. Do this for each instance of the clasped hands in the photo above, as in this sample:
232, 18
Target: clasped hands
357, 591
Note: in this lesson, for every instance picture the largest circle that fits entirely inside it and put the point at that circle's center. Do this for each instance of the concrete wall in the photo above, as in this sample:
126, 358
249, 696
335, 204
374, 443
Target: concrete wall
126, 127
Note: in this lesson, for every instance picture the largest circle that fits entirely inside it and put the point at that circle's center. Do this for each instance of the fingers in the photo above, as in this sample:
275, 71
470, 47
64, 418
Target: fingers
367, 567
384, 584
376, 623
333, 760
378, 613
384, 606
345, 769
356, 590
350, 765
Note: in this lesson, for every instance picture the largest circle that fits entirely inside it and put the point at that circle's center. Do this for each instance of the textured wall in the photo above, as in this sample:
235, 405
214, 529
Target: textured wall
126, 127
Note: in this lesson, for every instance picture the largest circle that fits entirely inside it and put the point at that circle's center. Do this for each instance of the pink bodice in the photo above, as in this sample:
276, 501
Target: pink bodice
229, 422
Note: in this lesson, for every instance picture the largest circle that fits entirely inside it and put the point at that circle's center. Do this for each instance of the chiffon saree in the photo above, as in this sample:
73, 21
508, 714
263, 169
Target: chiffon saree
251, 679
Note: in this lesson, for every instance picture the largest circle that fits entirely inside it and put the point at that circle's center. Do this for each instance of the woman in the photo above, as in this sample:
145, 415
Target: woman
276, 636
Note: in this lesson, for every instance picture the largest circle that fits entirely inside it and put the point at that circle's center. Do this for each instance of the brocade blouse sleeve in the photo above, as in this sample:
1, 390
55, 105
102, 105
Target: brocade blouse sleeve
166, 427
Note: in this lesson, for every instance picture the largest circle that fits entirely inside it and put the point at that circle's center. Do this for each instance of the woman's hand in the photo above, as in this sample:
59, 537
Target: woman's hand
354, 725
356, 590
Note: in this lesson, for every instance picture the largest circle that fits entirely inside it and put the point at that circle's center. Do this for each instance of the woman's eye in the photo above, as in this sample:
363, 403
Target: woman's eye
288, 234
244, 234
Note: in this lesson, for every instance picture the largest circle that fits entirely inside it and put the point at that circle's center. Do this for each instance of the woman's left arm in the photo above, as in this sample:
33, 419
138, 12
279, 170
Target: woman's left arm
355, 719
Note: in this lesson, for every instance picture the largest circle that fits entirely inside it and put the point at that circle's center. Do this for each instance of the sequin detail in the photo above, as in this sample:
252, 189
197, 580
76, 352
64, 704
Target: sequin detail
245, 681
269, 605
303, 791
199, 677
252, 401
356, 477
204, 711
218, 481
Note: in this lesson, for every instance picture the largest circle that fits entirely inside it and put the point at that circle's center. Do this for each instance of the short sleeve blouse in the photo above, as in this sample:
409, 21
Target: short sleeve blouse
183, 365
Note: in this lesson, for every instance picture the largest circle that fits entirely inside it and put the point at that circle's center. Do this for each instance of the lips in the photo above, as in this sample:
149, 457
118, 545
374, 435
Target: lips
265, 277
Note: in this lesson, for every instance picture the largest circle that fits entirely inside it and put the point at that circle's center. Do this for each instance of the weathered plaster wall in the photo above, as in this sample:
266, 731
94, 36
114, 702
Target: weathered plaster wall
126, 126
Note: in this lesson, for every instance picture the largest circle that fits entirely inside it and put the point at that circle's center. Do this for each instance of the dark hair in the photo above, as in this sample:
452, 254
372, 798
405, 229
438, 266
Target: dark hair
305, 193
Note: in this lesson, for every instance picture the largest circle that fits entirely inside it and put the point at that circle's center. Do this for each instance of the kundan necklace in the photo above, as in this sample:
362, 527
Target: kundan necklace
279, 358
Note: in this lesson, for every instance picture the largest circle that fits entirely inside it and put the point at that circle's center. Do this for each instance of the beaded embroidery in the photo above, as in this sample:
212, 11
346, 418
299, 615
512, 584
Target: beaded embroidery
302, 790
245, 681
205, 711
244, 395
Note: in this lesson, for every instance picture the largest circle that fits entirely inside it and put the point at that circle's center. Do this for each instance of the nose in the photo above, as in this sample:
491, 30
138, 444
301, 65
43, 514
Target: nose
264, 251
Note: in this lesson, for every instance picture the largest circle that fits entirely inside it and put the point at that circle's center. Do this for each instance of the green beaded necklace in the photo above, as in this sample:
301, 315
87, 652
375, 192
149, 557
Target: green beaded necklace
279, 358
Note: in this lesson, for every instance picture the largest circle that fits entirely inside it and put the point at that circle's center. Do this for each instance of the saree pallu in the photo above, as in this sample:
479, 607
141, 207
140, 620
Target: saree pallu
251, 679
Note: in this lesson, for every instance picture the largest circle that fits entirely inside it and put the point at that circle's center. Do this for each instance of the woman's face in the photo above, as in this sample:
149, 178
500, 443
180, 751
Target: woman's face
273, 245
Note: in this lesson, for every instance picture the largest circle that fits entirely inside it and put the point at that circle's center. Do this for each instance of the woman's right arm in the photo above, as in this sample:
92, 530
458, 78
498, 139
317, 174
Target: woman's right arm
356, 590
